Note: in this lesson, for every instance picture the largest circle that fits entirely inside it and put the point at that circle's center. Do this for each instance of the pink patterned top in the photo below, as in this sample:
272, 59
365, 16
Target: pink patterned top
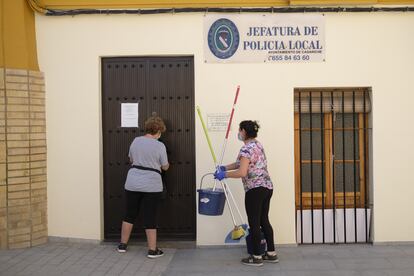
257, 174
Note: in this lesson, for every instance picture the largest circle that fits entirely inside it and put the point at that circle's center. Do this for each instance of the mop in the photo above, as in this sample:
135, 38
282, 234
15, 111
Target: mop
239, 230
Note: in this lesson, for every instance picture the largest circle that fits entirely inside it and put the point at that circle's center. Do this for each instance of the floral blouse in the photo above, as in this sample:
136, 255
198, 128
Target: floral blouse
257, 174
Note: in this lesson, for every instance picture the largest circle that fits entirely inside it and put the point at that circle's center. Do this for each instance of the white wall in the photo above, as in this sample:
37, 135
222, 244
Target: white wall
373, 49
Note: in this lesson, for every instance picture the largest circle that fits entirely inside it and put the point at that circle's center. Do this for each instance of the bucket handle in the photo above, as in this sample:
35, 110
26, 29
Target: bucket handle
202, 178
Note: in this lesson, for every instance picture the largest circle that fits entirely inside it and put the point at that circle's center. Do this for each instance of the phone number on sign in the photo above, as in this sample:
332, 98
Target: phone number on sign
288, 58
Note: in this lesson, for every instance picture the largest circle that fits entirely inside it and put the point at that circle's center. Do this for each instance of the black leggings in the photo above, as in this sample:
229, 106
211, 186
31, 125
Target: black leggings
147, 203
257, 203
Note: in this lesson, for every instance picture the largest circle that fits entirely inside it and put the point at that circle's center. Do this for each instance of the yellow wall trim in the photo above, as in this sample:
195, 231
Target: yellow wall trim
17, 36
91, 4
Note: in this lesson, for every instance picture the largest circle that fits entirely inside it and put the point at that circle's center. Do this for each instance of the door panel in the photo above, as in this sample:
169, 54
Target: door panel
164, 85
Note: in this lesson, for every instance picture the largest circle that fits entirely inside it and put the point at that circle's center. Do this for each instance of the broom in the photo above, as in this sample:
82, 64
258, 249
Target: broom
239, 230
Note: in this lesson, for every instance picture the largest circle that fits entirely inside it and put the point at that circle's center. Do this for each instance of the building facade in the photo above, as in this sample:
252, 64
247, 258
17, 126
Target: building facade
94, 63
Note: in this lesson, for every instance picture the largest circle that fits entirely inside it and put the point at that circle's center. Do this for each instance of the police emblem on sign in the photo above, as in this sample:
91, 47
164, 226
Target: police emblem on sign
223, 38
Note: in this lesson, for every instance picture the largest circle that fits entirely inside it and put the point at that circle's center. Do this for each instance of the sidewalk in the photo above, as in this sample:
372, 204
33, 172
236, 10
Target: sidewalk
56, 258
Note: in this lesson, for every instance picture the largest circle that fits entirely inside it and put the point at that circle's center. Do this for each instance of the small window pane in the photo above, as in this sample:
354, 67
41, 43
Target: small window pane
349, 145
349, 177
316, 145
317, 178
347, 120
306, 123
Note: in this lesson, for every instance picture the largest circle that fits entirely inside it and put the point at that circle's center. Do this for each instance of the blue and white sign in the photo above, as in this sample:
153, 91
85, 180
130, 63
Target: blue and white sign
223, 38
264, 38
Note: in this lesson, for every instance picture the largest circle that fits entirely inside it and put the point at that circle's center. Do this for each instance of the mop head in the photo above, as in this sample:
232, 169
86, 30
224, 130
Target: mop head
229, 239
237, 233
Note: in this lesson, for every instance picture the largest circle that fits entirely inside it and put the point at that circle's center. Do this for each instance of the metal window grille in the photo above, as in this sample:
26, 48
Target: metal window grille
332, 135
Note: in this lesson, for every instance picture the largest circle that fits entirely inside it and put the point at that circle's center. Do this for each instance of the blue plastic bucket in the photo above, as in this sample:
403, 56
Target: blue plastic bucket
250, 246
211, 203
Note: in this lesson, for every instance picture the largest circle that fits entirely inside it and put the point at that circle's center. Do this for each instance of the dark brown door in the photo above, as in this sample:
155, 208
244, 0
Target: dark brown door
158, 84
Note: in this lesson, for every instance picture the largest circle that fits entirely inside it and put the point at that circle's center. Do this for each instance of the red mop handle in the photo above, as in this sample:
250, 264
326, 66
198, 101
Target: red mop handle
232, 111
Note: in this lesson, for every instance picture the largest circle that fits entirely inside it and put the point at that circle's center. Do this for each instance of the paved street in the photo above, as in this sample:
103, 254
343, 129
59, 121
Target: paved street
61, 258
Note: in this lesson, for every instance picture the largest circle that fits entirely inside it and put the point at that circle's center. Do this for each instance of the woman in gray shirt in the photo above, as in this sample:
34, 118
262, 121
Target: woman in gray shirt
143, 186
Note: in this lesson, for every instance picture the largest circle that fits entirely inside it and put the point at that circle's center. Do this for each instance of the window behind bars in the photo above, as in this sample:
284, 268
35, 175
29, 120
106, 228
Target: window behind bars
331, 164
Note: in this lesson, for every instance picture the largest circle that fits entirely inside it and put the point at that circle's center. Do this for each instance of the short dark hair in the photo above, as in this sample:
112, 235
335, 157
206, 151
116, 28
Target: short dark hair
154, 124
251, 128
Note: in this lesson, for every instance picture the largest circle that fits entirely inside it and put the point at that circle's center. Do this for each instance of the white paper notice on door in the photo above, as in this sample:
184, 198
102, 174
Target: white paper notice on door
129, 115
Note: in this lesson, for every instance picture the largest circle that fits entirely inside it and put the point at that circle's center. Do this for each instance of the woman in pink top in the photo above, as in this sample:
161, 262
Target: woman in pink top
251, 167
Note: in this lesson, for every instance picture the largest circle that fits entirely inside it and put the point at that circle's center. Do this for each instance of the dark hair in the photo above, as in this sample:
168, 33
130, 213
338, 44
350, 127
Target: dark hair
154, 124
251, 128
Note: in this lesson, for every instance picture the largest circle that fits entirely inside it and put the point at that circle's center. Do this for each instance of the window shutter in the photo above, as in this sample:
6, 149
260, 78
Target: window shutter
337, 100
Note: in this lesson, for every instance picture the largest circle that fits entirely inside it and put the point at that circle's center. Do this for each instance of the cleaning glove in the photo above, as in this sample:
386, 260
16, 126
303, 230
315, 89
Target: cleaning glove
220, 174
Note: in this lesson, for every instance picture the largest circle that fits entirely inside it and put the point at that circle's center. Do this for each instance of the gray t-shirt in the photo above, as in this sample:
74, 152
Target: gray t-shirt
150, 153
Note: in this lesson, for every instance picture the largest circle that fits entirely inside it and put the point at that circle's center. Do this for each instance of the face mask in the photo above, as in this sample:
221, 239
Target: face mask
240, 137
